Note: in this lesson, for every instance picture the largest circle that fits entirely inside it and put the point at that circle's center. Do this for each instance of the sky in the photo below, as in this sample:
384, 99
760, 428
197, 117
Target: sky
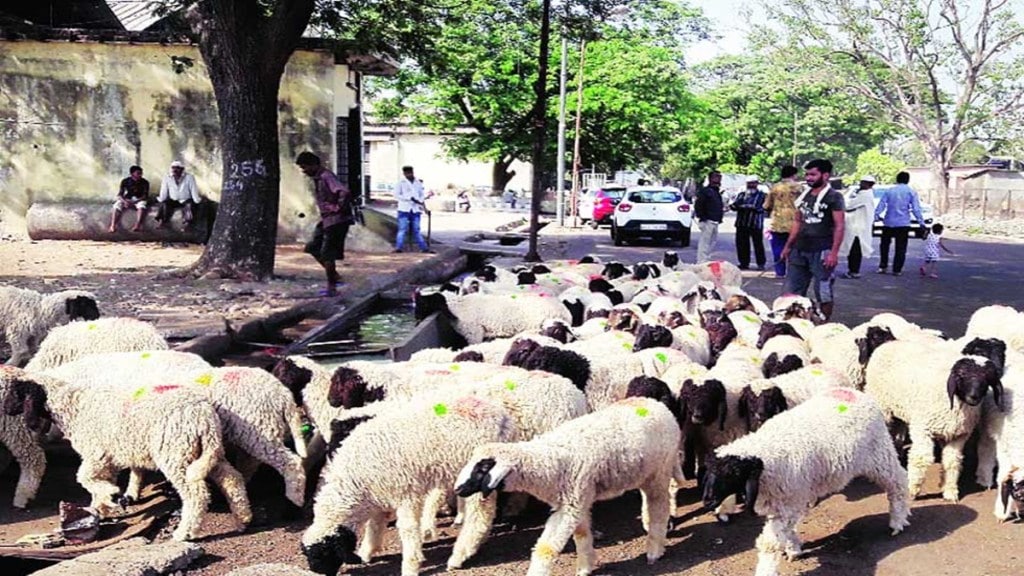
726, 23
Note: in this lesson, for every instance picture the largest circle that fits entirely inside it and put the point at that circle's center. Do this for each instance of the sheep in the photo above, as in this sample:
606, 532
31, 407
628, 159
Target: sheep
628, 445
480, 317
21, 442
907, 379
708, 409
802, 456
762, 399
786, 353
72, 341
822, 332
167, 428
1000, 442
491, 352
719, 272
850, 353
394, 462
998, 321
257, 413
26, 316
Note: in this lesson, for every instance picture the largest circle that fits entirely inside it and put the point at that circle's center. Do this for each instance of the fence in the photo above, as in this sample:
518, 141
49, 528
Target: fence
984, 203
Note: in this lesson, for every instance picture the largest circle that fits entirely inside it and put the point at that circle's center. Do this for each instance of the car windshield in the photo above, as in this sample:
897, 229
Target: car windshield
654, 196
614, 193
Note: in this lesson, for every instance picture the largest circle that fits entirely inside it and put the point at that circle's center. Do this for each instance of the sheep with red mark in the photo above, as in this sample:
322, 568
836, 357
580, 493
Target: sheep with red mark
762, 399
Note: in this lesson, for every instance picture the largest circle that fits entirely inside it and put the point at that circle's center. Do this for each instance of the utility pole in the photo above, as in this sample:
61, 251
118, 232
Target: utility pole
795, 116
576, 143
561, 133
540, 124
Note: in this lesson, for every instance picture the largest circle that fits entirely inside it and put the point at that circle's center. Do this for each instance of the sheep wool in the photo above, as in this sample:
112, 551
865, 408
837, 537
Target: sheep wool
802, 456
26, 316
20, 442
70, 342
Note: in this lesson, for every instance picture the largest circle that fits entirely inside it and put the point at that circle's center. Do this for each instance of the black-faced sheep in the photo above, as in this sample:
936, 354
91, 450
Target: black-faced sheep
26, 316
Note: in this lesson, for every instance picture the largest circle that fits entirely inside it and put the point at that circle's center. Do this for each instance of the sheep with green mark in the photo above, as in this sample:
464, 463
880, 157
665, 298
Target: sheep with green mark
70, 342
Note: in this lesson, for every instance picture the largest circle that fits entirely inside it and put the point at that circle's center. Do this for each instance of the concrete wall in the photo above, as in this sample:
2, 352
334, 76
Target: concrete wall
75, 116
425, 153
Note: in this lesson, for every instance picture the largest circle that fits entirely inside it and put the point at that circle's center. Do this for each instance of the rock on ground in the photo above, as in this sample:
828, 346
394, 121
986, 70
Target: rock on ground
133, 557
271, 570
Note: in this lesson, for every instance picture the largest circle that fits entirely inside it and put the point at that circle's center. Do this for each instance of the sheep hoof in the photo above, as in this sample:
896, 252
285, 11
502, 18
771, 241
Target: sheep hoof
125, 501
951, 495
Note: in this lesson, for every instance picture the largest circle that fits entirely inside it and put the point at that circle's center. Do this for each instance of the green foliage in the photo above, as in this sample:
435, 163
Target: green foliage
882, 166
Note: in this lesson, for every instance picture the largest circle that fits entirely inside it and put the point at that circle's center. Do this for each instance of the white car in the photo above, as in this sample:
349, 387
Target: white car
658, 212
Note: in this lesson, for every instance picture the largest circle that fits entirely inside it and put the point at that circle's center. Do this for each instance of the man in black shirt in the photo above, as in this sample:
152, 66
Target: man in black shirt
133, 193
812, 251
708, 210
749, 208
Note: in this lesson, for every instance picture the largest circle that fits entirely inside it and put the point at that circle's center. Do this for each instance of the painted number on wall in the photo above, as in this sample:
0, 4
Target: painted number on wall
243, 171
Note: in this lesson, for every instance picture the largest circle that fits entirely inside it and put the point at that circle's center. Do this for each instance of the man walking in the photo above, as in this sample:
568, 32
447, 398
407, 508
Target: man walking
897, 203
779, 205
409, 193
812, 251
708, 209
749, 208
857, 235
335, 203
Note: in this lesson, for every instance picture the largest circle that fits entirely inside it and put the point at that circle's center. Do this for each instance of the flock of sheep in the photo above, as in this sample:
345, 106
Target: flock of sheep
580, 381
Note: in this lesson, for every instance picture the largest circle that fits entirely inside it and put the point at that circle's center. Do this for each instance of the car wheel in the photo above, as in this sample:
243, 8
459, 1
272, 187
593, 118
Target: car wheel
684, 238
593, 223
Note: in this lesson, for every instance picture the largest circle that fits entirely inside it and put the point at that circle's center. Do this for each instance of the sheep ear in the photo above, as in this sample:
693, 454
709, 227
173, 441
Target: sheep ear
751, 490
997, 386
863, 354
684, 394
723, 413
952, 383
742, 408
14, 400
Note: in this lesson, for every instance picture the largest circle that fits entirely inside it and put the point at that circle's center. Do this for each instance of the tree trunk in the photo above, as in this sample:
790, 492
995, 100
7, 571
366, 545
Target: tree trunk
245, 51
540, 127
940, 161
501, 175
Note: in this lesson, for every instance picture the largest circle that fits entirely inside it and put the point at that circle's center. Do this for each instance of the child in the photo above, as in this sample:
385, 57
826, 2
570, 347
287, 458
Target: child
932, 244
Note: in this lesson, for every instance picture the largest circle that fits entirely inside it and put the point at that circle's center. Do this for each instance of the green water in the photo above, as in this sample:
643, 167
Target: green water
381, 329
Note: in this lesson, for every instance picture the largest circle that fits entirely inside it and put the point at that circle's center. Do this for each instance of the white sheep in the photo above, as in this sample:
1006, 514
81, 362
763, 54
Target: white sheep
72, 341
394, 462
26, 316
1002, 443
166, 428
762, 399
21, 442
850, 352
937, 392
480, 317
628, 445
998, 321
802, 456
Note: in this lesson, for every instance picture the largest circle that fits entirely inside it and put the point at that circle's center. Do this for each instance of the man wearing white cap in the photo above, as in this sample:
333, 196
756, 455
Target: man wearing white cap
860, 205
177, 189
749, 208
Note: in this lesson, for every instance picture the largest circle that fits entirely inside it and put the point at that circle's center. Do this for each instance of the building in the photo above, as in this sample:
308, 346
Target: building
78, 106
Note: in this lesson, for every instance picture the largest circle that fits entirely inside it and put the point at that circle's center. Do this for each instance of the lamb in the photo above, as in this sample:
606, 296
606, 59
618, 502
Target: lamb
998, 321
166, 428
21, 442
802, 456
257, 413
788, 353
627, 445
66, 343
394, 462
26, 316
907, 379
850, 353
480, 317
491, 352
762, 399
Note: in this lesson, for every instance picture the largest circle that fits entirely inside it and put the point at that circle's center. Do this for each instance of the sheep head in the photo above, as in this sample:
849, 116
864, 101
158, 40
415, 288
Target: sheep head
81, 307
28, 398
613, 270
519, 352
426, 304
670, 259
1011, 487
771, 329
540, 269
623, 319
970, 379
349, 390
756, 408
487, 273
558, 330
649, 387
588, 259
738, 302
648, 336
576, 309
992, 348
720, 334
773, 366
703, 404
328, 554
672, 319
341, 429
526, 278
729, 476
875, 337
485, 473
293, 376
468, 356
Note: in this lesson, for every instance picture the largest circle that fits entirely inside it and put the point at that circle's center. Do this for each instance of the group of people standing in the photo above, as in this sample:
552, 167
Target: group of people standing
812, 224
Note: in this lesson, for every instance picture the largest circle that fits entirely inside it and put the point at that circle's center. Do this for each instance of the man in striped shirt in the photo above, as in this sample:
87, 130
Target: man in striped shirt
749, 208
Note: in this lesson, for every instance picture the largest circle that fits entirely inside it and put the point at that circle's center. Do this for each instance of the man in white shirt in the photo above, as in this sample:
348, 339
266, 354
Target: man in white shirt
177, 189
409, 193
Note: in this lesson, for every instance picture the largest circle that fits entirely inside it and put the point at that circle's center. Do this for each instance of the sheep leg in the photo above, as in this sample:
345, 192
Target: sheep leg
769, 545
918, 460
98, 480
430, 509
792, 546
557, 531
230, 482
952, 463
657, 509
890, 476
247, 465
32, 461
289, 466
480, 514
134, 489
195, 499
986, 459
583, 536
373, 535
409, 515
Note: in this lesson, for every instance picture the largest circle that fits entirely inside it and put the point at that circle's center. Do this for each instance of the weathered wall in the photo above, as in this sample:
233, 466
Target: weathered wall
75, 116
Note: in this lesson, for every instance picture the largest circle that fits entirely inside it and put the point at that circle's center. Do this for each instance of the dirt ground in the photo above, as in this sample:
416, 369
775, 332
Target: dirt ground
846, 534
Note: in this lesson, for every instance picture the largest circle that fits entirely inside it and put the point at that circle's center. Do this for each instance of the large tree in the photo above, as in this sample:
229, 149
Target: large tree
940, 69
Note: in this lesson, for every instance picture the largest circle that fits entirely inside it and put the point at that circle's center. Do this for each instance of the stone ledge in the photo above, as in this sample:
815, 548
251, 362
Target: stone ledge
90, 221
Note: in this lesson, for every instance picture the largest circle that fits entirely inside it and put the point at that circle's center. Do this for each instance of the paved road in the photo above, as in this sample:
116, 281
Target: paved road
984, 271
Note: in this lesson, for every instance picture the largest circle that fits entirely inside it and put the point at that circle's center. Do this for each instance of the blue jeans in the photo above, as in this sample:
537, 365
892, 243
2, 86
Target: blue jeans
778, 243
405, 221
805, 266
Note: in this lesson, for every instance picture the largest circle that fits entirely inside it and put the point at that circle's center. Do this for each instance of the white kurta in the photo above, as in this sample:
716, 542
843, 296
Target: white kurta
860, 209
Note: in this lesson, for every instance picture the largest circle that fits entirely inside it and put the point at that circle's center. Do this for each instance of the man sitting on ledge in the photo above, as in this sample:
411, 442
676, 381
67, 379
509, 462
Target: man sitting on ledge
177, 189
134, 193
